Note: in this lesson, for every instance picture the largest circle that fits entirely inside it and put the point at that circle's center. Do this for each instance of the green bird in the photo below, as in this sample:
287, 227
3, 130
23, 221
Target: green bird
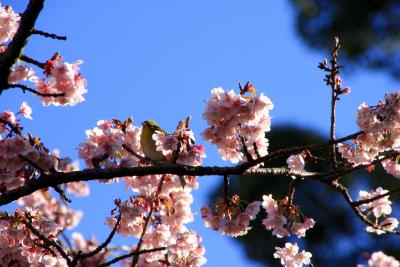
147, 142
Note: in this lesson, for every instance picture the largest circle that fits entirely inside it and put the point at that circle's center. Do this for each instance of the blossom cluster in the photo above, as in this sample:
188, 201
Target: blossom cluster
19, 245
284, 219
291, 257
229, 218
104, 145
237, 122
21, 156
63, 84
182, 139
9, 23
166, 198
380, 259
379, 209
380, 131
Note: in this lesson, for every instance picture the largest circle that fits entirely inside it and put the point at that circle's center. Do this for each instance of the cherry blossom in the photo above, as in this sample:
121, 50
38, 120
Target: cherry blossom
379, 207
21, 72
233, 118
387, 224
9, 23
187, 251
20, 245
296, 162
25, 110
62, 78
290, 256
229, 219
391, 167
283, 220
380, 259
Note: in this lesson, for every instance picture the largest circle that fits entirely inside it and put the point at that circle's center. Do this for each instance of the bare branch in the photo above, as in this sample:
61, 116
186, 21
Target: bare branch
81, 257
32, 61
135, 253
49, 35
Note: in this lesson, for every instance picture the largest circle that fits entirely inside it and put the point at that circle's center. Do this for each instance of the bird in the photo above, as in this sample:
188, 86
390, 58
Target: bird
147, 142
149, 147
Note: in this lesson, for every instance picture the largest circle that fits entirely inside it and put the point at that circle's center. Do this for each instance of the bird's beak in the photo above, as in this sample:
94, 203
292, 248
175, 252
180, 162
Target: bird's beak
142, 123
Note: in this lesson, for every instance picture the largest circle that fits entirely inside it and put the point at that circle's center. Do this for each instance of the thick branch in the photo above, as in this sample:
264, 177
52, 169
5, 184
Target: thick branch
57, 178
14, 49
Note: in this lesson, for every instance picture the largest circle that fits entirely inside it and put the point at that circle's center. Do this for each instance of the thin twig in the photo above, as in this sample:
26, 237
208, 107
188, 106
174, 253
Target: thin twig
334, 71
135, 253
365, 201
47, 241
14, 127
245, 150
26, 88
32, 61
132, 152
292, 190
226, 188
49, 35
102, 246
345, 193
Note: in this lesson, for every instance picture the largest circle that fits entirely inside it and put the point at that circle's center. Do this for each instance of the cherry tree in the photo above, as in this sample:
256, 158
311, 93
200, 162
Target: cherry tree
159, 208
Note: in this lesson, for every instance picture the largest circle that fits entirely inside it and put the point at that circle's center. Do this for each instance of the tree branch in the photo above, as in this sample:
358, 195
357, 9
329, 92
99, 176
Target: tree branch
49, 35
26, 88
135, 253
14, 49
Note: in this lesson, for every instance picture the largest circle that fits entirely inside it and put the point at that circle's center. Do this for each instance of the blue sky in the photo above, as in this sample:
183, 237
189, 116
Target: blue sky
160, 59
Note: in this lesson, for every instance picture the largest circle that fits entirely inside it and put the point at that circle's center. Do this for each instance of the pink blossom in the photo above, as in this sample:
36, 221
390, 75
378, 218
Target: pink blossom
9, 117
21, 72
9, 23
165, 144
284, 221
290, 256
299, 229
80, 188
62, 78
25, 110
231, 117
296, 162
237, 224
391, 167
380, 259
379, 207
187, 252
386, 225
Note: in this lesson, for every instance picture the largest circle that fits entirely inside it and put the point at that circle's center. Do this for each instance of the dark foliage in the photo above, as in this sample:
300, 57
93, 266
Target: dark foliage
369, 30
338, 238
